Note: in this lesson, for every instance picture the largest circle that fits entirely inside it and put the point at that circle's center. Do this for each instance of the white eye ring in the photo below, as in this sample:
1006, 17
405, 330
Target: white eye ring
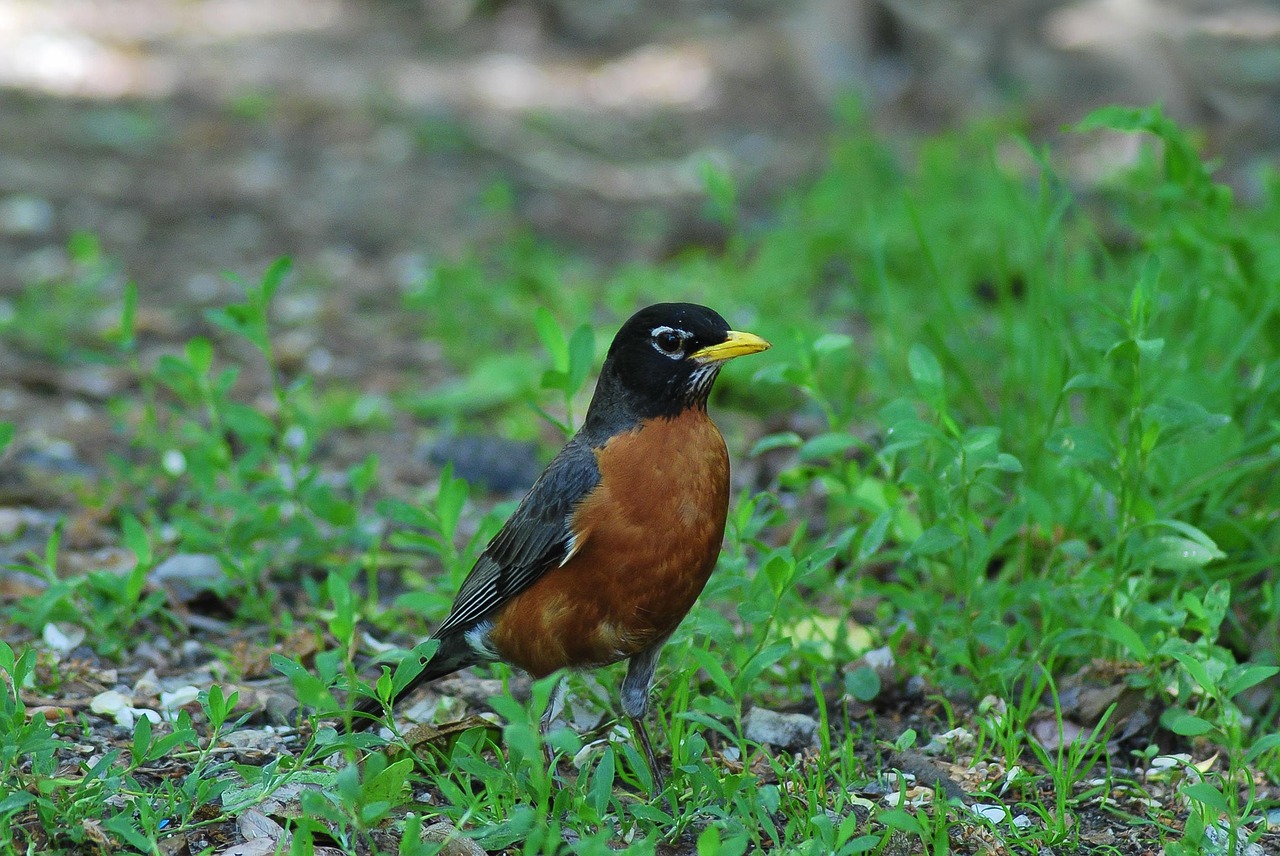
668, 341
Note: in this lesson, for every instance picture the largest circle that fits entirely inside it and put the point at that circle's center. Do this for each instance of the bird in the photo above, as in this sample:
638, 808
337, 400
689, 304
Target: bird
608, 551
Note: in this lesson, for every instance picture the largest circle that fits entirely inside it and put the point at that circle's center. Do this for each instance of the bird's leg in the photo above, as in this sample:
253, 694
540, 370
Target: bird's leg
555, 706
637, 725
635, 703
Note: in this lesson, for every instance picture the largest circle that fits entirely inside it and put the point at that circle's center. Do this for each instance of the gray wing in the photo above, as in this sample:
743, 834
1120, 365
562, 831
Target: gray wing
536, 537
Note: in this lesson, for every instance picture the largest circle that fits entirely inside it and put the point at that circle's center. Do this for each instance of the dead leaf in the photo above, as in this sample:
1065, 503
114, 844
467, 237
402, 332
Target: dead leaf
253, 825
442, 736
256, 847
455, 843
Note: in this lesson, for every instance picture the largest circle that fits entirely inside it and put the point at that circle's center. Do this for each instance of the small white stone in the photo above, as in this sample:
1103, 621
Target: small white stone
174, 462
791, 731
23, 214
62, 639
880, 659
147, 686
109, 703
182, 696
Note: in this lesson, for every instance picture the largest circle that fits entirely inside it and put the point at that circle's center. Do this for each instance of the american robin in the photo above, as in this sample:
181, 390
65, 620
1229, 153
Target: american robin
609, 549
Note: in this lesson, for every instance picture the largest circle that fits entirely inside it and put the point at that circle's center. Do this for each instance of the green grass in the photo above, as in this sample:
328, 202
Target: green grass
1029, 432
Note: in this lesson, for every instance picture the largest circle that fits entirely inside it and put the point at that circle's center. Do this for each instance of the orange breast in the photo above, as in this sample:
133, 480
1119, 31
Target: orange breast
650, 535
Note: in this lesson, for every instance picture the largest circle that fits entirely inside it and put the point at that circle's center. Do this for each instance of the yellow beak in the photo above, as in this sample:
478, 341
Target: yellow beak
735, 345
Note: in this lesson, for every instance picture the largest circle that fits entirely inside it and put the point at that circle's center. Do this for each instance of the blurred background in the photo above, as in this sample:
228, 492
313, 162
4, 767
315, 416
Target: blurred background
373, 140
361, 136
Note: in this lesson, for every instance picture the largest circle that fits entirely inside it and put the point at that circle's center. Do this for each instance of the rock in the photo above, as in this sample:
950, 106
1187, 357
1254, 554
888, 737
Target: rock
455, 843
64, 638
790, 731
11, 523
1217, 840
23, 214
501, 465
186, 575
252, 739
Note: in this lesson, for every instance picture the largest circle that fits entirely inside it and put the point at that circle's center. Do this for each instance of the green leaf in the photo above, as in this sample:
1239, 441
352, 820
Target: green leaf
15, 801
832, 342
1143, 298
412, 664
1181, 722
493, 379
309, 689
709, 842
977, 441
1181, 419
128, 316
863, 683
552, 338
1115, 117
1128, 637
364, 475
1150, 349
1187, 530
247, 423
926, 371
753, 668
217, 705
123, 825
141, 740
1264, 744
782, 440
1089, 380
6, 435
713, 665
909, 433
874, 537
342, 624
1078, 443
582, 355
1005, 463
903, 821
135, 538
1251, 676
200, 355
721, 189
602, 782
273, 277
388, 786
1203, 792
825, 446
1174, 553
500, 836
1198, 672
861, 844
935, 539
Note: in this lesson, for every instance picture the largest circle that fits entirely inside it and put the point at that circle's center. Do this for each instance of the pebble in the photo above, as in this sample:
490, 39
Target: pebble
11, 523
1000, 814
251, 739
501, 465
23, 214
1218, 839
455, 843
63, 639
187, 574
791, 731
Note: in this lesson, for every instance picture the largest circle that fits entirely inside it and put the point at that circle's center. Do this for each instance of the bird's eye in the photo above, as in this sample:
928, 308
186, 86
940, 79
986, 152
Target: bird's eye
668, 342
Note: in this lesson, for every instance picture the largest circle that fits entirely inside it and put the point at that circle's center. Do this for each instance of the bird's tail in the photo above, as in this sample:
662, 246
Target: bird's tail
452, 655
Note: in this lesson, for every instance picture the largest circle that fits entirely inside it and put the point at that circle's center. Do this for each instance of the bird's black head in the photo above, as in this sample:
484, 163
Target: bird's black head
664, 360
